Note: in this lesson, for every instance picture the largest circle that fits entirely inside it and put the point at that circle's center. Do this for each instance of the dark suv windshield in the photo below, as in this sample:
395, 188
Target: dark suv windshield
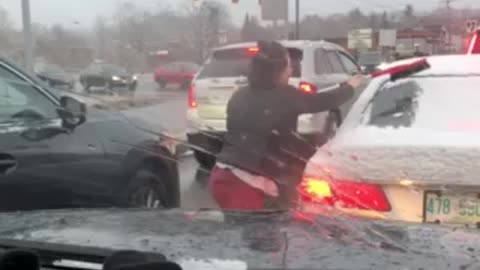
113, 69
235, 63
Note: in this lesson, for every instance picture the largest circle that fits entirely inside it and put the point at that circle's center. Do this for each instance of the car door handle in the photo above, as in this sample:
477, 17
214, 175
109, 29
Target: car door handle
7, 164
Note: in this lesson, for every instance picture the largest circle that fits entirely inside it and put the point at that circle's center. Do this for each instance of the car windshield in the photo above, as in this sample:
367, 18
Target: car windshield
235, 63
240, 134
52, 69
113, 69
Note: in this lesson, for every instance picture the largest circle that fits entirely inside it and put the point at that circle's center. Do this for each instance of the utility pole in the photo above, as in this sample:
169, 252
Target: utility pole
27, 34
450, 22
297, 19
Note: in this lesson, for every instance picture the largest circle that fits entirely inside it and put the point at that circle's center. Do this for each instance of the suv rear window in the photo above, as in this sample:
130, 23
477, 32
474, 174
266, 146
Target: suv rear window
236, 62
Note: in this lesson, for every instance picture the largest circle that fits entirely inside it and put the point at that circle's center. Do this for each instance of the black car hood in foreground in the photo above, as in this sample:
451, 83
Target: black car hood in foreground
209, 240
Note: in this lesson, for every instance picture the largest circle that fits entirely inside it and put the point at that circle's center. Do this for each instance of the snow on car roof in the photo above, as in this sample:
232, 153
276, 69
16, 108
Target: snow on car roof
299, 44
444, 64
446, 113
440, 143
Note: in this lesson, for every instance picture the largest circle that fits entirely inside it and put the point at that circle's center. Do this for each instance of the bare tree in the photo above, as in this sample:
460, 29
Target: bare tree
253, 31
5, 30
131, 27
102, 39
207, 21
409, 18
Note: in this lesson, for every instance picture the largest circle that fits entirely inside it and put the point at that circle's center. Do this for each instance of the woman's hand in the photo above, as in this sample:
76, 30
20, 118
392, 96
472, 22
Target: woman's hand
355, 81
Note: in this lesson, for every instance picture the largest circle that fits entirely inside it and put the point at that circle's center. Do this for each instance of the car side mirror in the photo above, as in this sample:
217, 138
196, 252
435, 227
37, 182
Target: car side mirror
72, 111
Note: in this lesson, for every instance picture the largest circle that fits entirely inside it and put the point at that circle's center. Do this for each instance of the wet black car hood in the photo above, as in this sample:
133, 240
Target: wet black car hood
209, 240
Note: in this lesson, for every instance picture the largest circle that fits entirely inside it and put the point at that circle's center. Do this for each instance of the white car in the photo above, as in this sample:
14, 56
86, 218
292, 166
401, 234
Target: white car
317, 65
408, 150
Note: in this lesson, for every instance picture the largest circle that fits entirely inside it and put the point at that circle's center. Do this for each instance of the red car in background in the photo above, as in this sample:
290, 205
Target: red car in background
180, 73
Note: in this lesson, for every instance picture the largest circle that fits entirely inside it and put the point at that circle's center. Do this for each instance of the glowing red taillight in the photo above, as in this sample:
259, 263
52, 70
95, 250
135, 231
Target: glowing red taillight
307, 87
344, 194
192, 102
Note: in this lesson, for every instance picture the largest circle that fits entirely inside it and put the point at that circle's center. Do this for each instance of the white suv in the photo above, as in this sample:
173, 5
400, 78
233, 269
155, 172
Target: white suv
316, 65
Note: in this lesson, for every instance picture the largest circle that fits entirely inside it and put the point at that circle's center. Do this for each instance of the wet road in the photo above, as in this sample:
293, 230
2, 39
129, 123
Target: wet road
169, 112
164, 108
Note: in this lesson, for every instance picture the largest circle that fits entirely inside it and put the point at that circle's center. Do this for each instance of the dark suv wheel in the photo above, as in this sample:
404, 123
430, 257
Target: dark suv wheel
147, 190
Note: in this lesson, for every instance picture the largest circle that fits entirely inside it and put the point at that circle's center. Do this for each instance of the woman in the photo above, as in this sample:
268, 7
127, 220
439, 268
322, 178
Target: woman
263, 158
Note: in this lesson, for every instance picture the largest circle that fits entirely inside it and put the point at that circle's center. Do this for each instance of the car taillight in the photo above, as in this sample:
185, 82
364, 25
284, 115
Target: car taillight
344, 194
307, 87
192, 102
252, 51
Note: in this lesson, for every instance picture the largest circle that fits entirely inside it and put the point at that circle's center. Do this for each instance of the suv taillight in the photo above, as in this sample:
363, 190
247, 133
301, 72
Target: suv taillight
192, 102
344, 194
307, 87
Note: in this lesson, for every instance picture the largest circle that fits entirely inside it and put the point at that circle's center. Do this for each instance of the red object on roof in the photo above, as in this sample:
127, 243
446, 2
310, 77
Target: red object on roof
473, 43
405, 70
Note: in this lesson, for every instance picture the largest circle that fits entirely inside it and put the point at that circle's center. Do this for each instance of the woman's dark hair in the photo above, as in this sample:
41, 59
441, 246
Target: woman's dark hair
267, 65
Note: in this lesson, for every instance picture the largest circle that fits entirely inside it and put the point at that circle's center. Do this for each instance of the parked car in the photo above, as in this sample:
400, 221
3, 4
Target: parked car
54, 76
317, 65
180, 73
409, 148
57, 155
108, 76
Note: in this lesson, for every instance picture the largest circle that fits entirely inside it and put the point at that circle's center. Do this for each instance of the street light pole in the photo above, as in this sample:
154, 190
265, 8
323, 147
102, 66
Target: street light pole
27, 33
297, 19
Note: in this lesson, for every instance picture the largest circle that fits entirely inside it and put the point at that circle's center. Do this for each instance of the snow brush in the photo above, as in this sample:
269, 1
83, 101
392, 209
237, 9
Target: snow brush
403, 71
396, 72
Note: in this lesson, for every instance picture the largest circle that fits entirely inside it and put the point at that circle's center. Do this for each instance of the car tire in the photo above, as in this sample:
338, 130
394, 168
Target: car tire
161, 84
205, 160
146, 190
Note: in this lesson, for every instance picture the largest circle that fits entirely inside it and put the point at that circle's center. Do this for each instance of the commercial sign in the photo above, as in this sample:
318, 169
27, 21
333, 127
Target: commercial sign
274, 10
360, 39
387, 37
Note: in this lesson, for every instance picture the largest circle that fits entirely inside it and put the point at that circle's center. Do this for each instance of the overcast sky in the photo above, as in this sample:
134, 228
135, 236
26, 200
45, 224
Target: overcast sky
69, 11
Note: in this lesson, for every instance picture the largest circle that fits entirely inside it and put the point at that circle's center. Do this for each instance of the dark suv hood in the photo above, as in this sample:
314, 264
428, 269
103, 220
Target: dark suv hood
253, 241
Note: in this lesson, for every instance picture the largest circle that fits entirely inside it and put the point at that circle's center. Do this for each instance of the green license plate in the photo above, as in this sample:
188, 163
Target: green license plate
451, 208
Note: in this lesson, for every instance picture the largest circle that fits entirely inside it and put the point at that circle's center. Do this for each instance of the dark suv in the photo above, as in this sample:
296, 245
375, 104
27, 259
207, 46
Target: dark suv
53, 154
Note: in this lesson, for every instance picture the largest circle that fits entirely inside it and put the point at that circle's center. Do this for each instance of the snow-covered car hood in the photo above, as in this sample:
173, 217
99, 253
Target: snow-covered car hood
254, 241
